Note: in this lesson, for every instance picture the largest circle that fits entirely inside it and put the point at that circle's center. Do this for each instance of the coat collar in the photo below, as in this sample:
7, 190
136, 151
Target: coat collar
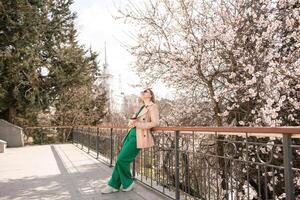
150, 104
145, 109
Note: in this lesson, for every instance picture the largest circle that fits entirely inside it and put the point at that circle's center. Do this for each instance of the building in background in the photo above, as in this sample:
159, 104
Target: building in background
105, 81
129, 105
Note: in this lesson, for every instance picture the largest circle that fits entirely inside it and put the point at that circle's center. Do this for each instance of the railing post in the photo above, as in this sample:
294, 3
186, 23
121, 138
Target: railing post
177, 194
97, 143
288, 172
111, 147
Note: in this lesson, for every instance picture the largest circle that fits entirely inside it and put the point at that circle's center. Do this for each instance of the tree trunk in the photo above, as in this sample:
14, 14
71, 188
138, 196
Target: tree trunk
215, 104
220, 138
12, 112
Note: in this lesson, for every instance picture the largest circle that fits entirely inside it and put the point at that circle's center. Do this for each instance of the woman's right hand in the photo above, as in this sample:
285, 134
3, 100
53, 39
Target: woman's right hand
131, 123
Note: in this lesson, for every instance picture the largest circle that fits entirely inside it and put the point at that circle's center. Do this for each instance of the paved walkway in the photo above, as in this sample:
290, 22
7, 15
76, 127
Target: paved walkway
58, 172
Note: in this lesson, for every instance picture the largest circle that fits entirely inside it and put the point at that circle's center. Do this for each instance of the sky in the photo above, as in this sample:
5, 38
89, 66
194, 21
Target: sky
96, 26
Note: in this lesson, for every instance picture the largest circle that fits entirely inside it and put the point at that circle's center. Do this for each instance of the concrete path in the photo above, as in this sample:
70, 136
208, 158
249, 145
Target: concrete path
58, 172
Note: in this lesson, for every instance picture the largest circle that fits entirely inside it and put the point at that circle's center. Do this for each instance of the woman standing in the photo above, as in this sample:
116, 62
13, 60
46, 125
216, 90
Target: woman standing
138, 137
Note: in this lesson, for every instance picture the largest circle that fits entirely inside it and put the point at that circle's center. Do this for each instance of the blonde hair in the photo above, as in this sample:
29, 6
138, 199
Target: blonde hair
152, 95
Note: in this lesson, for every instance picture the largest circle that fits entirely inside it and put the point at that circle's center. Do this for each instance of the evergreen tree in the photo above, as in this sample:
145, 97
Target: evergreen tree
37, 36
21, 24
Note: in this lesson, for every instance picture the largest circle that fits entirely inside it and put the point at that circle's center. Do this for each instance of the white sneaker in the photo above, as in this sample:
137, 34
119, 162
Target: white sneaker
108, 189
104, 182
128, 189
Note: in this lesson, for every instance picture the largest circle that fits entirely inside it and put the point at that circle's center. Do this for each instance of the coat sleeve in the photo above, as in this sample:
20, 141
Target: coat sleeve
154, 115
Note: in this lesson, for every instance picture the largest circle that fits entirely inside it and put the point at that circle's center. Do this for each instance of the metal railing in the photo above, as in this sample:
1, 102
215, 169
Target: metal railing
47, 135
206, 162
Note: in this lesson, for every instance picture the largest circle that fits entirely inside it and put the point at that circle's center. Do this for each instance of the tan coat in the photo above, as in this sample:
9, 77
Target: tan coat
147, 119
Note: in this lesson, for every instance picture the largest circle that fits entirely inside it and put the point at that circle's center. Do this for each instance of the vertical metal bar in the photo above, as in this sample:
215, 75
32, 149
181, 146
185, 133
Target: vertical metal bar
163, 161
97, 143
78, 131
75, 135
142, 169
170, 161
209, 180
111, 147
133, 170
142, 166
63, 135
265, 183
159, 161
156, 163
72, 130
145, 164
230, 174
184, 175
42, 137
200, 170
82, 138
193, 163
259, 182
273, 181
89, 139
47, 141
182, 169
155, 169
188, 186
189, 175
151, 163
236, 186
247, 167
218, 167
177, 194
225, 167
204, 184
288, 172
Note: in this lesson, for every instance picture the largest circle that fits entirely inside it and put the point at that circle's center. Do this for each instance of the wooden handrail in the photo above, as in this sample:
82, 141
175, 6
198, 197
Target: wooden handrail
266, 130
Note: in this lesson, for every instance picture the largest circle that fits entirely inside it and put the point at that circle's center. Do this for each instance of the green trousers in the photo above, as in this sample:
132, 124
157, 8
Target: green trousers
121, 174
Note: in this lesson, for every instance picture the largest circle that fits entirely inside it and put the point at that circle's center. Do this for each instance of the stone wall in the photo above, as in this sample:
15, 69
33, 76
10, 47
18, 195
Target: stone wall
12, 134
